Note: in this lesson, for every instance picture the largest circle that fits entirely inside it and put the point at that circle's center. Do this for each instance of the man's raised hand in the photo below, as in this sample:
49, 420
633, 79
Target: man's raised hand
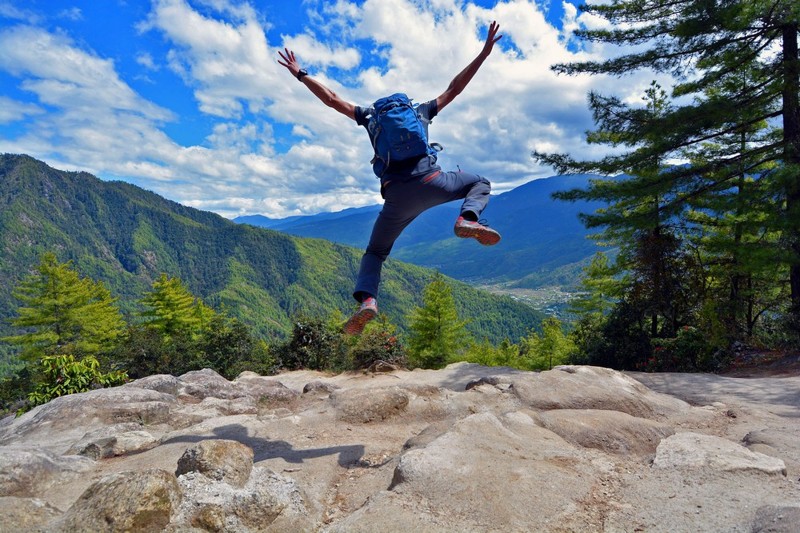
491, 38
289, 61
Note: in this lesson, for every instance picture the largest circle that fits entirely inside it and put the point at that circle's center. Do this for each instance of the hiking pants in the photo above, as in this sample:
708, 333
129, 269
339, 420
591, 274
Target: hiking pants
404, 201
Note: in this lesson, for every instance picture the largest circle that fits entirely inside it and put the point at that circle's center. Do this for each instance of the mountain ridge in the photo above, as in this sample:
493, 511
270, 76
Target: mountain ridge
539, 234
126, 237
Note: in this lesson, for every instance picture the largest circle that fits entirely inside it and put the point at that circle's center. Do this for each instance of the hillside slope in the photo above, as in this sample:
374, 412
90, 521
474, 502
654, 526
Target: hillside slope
540, 234
126, 237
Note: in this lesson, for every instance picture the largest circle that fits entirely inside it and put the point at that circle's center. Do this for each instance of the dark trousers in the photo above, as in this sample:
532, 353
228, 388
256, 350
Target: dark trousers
404, 201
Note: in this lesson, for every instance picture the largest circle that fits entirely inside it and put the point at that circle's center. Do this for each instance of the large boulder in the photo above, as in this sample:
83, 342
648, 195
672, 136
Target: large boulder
129, 501
370, 405
222, 460
484, 473
696, 450
31, 472
609, 431
26, 514
587, 387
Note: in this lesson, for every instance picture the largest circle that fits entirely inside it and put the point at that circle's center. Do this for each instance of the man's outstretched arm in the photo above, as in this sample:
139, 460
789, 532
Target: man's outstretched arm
328, 97
465, 76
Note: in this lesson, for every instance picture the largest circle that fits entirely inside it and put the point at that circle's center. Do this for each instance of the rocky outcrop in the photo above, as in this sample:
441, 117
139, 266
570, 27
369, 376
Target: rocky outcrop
467, 448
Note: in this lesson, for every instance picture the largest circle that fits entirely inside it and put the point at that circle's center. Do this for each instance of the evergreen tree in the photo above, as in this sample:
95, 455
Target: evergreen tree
64, 313
553, 347
600, 287
436, 333
703, 43
174, 311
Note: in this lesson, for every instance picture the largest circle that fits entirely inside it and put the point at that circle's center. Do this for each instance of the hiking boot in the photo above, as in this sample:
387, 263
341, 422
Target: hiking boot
475, 230
365, 313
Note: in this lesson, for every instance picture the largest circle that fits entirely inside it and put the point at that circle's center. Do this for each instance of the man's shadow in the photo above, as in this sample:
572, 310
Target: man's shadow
263, 449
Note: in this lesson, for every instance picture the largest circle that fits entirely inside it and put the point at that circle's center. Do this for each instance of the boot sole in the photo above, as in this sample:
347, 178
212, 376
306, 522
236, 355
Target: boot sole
358, 321
485, 237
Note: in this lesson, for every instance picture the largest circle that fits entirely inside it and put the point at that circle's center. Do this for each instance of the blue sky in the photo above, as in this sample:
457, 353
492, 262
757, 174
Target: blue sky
185, 97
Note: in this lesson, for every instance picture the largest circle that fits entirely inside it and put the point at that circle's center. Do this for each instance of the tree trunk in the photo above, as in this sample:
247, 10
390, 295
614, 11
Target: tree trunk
791, 137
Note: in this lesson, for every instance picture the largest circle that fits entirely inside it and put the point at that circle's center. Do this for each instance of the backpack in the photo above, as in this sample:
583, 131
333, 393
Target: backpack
397, 132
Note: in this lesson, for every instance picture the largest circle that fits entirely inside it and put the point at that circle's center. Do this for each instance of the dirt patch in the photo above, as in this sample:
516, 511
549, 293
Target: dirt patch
755, 364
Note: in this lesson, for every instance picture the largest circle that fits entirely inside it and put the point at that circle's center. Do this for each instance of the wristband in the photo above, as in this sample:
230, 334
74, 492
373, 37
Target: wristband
302, 72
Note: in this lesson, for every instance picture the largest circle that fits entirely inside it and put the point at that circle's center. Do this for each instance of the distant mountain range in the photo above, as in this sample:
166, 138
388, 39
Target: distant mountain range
542, 238
126, 237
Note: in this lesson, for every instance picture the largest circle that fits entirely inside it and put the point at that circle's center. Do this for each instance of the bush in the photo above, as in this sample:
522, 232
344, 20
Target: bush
378, 343
63, 375
313, 345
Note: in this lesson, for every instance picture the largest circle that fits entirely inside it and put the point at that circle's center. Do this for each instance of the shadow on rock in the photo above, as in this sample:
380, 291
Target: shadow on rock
264, 449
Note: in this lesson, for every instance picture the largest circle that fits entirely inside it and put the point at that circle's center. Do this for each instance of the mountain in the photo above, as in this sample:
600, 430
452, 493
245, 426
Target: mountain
126, 237
540, 235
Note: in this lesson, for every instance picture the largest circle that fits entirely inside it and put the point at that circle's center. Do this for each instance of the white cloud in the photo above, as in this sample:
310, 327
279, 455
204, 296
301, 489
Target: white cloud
12, 110
246, 162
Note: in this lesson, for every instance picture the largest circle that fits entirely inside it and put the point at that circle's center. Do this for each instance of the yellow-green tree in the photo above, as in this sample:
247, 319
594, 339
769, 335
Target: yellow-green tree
551, 348
173, 311
63, 313
436, 333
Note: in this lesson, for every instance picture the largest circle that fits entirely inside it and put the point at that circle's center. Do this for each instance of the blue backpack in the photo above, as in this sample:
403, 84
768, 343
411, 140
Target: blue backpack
397, 132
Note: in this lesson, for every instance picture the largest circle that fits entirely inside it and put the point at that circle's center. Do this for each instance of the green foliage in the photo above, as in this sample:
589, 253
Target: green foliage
146, 352
378, 342
552, 348
64, 313
436, 333
734, 211
688, 351
174, 311
229, 347
599, 289
126, 237
63, 374
315, 345
484, 353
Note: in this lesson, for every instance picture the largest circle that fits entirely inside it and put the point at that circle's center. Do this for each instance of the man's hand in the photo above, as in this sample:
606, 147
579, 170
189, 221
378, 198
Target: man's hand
463, 78
289, 61
491, 39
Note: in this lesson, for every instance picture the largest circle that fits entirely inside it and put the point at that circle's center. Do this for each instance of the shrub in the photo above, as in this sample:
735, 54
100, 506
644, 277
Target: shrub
63, 375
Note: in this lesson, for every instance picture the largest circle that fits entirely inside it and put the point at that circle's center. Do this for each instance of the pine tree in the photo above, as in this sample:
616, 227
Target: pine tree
704, 43
64, 313
600, 287
174, 311
436, 333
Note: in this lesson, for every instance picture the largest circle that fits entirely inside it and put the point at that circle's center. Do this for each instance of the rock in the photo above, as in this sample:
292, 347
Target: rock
777, 519
236, 406
695, 450
371, 405
63, 421
31, 472
610, 431
267, 502
222, 460
319, 387
26, 514
587, 387
160, 382
481, 475
488, 380
128, 501
264, 390
382, 366
113, 441
206, 383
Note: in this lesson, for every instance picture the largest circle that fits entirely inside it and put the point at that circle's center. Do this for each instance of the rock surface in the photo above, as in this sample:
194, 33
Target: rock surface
466, 448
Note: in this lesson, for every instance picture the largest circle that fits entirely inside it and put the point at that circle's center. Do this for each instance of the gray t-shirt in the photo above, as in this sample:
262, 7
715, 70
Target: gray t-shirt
403, 170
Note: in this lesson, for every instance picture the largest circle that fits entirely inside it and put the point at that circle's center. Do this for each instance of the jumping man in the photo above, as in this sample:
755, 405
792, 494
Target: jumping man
405, 162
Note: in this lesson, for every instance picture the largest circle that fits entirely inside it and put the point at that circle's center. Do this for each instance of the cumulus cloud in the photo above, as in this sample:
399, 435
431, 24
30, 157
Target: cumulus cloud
272, 147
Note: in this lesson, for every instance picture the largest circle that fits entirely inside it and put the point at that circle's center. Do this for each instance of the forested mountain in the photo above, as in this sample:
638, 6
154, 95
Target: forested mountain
126, 237
540, 234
